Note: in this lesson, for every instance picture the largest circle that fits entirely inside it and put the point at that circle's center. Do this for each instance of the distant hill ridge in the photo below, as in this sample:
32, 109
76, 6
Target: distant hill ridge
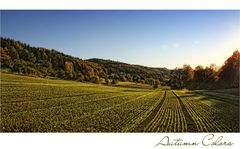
22, 58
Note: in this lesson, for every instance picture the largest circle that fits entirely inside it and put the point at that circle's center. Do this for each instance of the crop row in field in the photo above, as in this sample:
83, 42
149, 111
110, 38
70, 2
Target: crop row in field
83, 116
43, 105
121, 117
169, 118
205, 112
226, 97
36, 105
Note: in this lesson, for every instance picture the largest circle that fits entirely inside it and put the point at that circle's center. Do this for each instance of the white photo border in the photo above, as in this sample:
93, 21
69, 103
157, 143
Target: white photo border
113, 140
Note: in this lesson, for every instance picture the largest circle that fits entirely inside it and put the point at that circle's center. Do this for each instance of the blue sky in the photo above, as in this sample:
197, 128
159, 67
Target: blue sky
151, 38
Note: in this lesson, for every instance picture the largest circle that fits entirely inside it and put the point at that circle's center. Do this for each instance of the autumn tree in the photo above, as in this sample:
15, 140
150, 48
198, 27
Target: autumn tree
187, 75
114, 81
156, 84
5, 58
229, 72
95, 79
176, 79
13, 52
211, 74
106, 80
69, 69
150, 81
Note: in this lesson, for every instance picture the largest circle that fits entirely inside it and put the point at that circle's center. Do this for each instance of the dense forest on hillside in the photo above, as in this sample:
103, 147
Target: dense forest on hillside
132, 73
22, 58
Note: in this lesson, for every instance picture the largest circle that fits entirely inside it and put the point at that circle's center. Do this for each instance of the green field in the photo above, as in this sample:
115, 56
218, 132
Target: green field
31, 104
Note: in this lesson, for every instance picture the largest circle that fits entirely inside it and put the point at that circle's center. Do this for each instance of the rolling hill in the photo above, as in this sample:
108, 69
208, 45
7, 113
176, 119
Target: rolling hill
22, 58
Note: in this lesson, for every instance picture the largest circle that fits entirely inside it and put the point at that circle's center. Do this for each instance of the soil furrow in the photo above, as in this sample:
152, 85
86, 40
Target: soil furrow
142, 125
191, 126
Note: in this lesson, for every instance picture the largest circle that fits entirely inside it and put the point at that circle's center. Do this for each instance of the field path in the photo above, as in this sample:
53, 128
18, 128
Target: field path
191, 126
142, 125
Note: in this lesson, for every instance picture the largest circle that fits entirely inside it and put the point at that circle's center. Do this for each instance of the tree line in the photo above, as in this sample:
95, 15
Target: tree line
209, 77
22, 58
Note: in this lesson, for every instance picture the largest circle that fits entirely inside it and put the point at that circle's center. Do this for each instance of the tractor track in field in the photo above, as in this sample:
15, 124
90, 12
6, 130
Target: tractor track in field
191, 126
143, 124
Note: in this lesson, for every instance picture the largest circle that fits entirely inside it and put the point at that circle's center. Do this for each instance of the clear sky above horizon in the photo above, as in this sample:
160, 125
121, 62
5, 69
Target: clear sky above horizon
156, 38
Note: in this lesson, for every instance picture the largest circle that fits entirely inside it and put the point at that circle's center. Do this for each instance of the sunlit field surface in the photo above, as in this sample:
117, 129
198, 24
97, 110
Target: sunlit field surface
31, 104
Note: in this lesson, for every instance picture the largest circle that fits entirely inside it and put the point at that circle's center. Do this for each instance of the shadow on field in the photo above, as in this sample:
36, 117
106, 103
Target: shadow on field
219, 98
228, 114
222, 111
